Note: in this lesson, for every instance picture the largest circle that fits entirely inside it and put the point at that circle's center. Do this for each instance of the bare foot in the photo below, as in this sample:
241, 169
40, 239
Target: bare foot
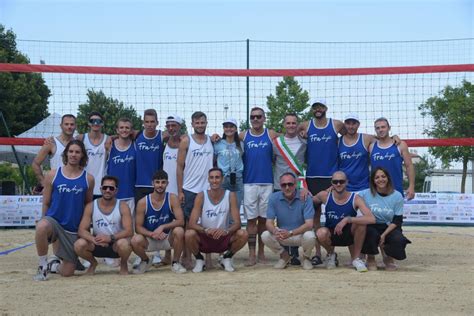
251, 262
371, 263
389, 264
261, 258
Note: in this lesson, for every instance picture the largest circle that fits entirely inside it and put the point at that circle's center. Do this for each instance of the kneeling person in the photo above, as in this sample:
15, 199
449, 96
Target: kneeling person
219, 230
294, 222
111, 228
342, 227
159, 222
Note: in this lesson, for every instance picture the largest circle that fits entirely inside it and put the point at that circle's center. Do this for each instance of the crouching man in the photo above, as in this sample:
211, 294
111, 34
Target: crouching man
342, 227
219, 230
159, 222
294, 222
111, 228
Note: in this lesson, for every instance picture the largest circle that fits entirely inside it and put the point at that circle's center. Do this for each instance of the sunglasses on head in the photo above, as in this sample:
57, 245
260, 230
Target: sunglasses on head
256, 117
288, 184
338, 181
111, 188
96, 121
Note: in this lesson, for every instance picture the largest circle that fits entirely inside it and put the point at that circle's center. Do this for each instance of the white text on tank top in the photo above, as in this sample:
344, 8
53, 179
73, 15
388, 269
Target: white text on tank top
216, 215
170, 157
198, 161
56, 160
106, 224
97, 159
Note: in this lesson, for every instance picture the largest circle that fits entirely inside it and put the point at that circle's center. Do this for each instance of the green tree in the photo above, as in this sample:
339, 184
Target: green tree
289, 97
453, 115
422, 169
23, 96
112, 109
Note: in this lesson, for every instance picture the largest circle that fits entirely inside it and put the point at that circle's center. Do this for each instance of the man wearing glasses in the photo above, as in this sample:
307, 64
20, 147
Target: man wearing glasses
97, 145
342, 227
111, 228
294, 218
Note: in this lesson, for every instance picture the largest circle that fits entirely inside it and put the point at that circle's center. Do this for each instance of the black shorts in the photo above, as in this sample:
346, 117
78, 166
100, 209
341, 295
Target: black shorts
316, 185
105, 252
188, 205
344, 239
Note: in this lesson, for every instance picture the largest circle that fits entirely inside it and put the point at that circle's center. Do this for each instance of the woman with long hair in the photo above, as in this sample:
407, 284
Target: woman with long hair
387, 206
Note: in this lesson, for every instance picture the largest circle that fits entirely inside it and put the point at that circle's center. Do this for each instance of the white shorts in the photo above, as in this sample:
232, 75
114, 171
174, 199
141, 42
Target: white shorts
256, 198
156, 245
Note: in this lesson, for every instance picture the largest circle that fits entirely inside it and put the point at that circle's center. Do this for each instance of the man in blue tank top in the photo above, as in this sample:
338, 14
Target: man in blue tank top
159, 222
386, 154
66, 191
258, 180
342, 227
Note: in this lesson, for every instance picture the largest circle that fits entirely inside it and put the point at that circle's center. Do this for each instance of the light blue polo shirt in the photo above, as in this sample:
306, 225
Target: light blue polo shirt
289, 215
384, 208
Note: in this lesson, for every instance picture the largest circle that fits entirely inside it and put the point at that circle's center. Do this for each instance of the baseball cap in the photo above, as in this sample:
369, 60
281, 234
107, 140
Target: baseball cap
318, 101
231, 121
174, 118
352, 116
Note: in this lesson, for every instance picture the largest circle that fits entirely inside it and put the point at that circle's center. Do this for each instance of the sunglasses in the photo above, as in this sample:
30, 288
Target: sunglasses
96, 121
108, 187
255, 117
338, 181
289, 184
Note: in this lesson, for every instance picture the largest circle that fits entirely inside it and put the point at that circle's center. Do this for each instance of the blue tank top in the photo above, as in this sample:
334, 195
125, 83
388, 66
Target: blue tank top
121, 164
258, 155
67, 200
321, 151
149, 158
336, 212
390, 159
154, 218
354, 162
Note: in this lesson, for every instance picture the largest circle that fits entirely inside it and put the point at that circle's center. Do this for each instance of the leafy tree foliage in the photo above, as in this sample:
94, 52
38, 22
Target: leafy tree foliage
23, 96
453, 114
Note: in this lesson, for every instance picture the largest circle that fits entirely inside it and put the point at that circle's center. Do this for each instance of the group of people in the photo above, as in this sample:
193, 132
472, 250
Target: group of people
151, 190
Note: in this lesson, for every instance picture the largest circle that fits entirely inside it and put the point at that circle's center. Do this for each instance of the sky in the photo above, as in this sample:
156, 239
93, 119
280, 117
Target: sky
158, 21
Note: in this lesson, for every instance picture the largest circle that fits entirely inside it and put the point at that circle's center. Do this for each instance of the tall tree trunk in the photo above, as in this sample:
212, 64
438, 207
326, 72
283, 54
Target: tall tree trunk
465, 160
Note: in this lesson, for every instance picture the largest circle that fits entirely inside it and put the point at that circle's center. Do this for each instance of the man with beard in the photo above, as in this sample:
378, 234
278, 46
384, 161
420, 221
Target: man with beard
387, 154
170, 154
195, 158
159, 225
111, 228
342, 227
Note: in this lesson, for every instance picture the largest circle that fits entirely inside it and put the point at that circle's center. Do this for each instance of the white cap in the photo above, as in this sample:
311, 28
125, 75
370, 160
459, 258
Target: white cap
174, 118
231, 121
352, 116
319, 101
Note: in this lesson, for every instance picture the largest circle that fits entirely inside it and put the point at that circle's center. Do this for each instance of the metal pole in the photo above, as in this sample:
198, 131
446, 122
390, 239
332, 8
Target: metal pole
248, 83
25, 179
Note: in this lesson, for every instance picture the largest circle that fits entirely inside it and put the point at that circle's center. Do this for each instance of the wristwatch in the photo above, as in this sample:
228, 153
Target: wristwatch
112, 239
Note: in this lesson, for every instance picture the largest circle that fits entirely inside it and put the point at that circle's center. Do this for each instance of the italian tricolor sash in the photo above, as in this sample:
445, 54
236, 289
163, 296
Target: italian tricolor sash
291, 160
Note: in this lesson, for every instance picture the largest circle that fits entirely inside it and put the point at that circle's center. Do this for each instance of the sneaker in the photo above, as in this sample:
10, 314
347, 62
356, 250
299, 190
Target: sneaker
331, 261
178, 268
137, 262
142, 267
156, 259
41, 274
282, 263
316, 260
307, 264
199, 266
53, 263
226, 263
295, 261
359, 265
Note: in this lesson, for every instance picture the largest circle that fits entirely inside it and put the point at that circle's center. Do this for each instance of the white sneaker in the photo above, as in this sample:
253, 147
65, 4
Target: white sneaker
142, 267
282, 263
137, 262
41, 274
307, 265
156, 259
226, 263
199, 266
53, 263
178, 268
331, 261
359, 265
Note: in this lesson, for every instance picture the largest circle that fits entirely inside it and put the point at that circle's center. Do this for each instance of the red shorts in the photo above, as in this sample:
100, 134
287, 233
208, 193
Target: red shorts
207, 244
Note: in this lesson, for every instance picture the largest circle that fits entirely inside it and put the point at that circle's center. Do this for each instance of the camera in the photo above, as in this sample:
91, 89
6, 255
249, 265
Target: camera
233, 178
